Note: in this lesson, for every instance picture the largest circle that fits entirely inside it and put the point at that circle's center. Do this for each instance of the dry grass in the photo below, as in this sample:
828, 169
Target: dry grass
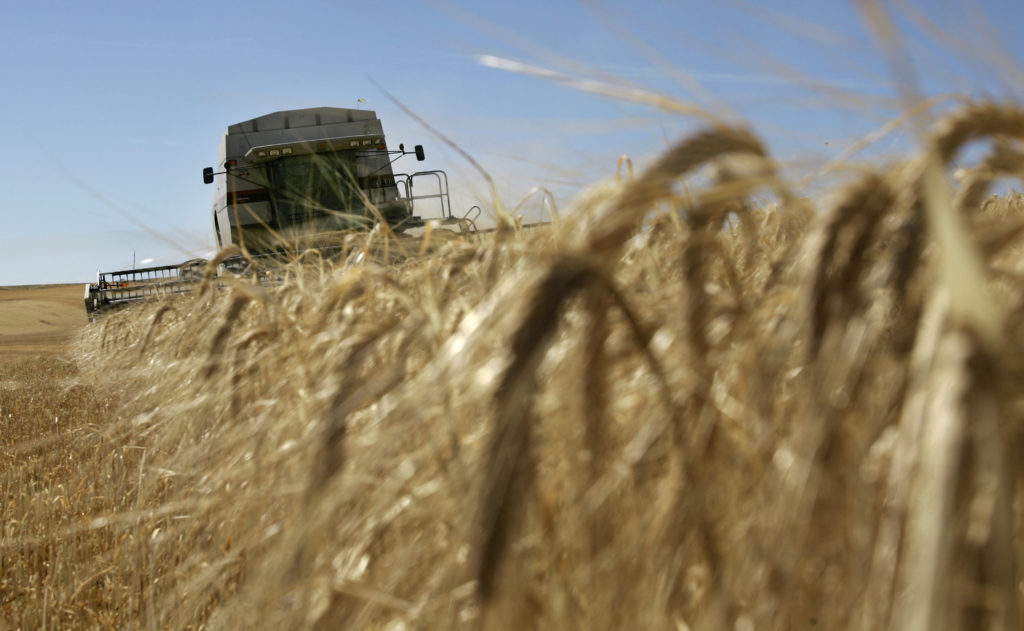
728, 408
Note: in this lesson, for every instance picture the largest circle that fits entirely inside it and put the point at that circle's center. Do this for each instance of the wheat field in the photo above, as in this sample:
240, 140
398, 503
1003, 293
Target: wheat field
680, 406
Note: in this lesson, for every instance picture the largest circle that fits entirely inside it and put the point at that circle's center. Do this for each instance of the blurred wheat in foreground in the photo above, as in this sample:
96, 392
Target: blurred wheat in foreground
724, 409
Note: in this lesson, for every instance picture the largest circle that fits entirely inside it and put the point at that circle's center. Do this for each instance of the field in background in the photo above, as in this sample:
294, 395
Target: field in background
38, 319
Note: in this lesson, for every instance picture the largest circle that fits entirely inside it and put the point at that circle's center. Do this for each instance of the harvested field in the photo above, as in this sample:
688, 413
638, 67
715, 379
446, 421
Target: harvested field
38, 319
724, 409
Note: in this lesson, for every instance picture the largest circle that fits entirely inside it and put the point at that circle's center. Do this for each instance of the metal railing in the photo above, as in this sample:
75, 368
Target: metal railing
405, 183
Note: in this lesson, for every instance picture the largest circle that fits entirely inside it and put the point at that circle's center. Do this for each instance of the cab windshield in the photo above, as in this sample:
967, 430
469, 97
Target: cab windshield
315, 185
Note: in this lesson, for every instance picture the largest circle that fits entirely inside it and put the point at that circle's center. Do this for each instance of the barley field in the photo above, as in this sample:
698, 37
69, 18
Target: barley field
695, 401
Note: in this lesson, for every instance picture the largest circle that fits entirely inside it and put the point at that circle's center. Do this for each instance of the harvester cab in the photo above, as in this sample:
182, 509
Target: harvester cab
295, 179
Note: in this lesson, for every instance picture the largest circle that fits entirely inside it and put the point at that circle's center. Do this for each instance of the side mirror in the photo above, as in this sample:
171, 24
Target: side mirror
208, 175
419, 153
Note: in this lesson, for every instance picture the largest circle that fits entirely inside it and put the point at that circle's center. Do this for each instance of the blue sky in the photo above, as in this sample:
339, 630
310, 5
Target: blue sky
110, 109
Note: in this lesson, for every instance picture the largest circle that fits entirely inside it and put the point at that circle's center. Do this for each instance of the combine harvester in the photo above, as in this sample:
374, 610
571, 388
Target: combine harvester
295, 181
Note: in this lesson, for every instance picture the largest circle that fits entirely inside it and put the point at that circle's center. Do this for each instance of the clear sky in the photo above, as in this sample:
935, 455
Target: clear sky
110, 109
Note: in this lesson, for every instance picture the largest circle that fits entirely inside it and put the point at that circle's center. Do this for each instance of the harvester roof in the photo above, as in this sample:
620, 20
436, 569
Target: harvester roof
310, 117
